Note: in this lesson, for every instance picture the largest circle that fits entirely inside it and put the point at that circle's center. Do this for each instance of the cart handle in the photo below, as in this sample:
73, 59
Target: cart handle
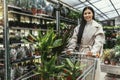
97, 55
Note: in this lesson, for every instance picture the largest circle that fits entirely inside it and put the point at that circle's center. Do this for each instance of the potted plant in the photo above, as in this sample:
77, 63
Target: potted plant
106, 56
117, 54
34, 9
112, 57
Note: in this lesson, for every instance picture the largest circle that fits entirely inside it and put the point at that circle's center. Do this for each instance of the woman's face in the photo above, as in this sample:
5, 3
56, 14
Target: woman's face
88, 15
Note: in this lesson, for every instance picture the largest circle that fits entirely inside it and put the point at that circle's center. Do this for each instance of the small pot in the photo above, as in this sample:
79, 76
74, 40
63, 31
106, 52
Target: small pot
34, 9
106, 61
69, 78
49, 9
113, 62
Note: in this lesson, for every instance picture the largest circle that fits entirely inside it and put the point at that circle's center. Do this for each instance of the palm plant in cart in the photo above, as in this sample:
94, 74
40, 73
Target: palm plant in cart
72, 69
44, 44
49, 46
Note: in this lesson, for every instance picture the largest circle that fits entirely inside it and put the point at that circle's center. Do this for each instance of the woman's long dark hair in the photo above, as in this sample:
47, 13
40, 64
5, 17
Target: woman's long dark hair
83, 23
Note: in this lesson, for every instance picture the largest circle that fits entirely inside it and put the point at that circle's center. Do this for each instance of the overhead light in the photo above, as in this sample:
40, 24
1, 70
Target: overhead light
82, 0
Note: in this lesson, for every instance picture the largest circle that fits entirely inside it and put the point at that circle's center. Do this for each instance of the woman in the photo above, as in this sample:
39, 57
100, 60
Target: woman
89, 35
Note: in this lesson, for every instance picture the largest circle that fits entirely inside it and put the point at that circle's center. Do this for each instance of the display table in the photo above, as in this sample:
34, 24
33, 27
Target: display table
113, 69
112, 77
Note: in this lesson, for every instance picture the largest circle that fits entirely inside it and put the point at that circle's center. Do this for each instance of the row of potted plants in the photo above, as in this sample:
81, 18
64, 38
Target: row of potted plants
112, 56
44, 7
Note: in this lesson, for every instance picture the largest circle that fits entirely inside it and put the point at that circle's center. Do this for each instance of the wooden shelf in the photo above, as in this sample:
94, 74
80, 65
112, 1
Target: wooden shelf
29, 29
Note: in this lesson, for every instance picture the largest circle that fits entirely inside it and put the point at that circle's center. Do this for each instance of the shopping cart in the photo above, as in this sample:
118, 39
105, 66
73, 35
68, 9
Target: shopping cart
88, 72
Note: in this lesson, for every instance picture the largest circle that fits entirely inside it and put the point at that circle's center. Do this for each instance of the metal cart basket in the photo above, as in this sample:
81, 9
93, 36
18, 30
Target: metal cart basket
88, 72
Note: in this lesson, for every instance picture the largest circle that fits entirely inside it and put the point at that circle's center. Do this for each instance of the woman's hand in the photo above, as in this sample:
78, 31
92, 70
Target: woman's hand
97, 55
89, 54
68, 52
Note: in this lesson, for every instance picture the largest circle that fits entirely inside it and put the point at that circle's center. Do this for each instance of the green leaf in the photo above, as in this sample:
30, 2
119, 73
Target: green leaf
57, 43
70, 63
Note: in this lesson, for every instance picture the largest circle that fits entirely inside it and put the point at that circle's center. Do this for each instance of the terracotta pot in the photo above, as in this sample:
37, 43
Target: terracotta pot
106, 61
34, 11
69, 78
39, 11
112, 62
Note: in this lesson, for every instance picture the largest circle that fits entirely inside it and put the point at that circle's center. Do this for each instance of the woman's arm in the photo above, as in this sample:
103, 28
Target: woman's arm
98, 41
73, 40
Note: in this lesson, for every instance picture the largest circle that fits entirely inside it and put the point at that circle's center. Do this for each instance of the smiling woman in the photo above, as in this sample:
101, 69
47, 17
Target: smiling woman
88, 36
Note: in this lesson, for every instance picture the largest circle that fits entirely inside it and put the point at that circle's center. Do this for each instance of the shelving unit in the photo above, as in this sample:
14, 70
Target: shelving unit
12, 30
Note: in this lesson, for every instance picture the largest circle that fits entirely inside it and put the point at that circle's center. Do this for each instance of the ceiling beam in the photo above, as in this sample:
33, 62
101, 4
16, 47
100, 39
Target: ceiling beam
97, 9
111, 10
69, 6
114, 7
83, 2
64, 4
87, 5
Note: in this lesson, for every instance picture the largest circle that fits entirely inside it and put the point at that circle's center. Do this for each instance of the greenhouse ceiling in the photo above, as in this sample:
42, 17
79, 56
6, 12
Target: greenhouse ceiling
104, 9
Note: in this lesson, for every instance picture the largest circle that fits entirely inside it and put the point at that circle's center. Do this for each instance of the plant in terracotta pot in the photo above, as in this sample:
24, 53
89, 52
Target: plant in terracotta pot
34, 9
117, 53
39, 9
106, 56
113, 59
